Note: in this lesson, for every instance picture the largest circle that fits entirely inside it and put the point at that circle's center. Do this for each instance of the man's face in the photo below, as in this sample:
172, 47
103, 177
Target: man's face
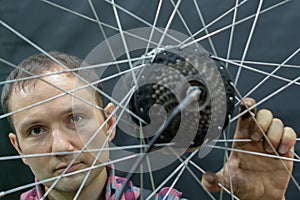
64, 124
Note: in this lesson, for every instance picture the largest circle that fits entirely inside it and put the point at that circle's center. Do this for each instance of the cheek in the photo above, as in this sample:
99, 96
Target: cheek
35, 166
35, 146
99, 141
98, 144
90, 129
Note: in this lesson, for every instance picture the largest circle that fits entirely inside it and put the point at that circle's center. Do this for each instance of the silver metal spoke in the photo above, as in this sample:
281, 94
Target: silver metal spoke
107, 41
87, 143
62, 94
103, 145
93, 164
116, 148
33, 76
171, 175
273, 72
210, 24
205, 27
296, 155
249, 40
76, 75
141, 20
231, 32
241, 65
67, 70
142, 142
257, 70
150, 173
219, 184
233, 140
226, 158
175, 181
182, 19
240, 140
153, 26
6, 158
102, 30
267, 64
46, 100
94, 20
264, 134
69, 10
124, 43
267, 98
184, 44
19, 188
192, 173
83, 148
168, 24
254, 153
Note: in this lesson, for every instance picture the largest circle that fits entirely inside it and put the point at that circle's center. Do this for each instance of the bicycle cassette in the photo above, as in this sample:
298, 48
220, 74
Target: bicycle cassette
167, 79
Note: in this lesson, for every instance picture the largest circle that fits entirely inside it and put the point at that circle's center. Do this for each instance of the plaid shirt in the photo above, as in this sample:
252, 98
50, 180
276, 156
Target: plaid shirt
113, 188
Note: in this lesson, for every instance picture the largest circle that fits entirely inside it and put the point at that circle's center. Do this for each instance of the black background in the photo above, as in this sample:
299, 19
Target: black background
275, 38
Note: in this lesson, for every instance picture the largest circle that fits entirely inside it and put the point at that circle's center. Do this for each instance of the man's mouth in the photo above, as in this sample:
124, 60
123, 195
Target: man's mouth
63, 166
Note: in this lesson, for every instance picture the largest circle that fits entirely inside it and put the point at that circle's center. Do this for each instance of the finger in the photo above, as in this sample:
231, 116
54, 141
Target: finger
210, 182
245, 121
263, 121
274, 135
288, 141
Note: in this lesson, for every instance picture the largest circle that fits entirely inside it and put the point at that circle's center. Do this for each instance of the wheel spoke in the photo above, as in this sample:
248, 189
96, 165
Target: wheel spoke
249, 40
184, 44
232, 32
19, 188
87, 143
269, 71
264, 134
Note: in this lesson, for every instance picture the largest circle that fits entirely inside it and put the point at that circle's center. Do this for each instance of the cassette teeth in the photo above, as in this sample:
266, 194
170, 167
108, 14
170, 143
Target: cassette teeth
197, 68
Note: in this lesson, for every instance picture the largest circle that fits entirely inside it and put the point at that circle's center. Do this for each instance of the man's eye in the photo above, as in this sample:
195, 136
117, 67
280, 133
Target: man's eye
75, 119
38, 131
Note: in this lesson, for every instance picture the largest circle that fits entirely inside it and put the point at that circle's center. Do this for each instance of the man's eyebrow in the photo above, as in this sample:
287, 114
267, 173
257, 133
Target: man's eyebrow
29, 124
74, 108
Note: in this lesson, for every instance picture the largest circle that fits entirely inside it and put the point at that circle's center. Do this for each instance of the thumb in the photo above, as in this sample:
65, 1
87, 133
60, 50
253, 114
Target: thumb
210, 181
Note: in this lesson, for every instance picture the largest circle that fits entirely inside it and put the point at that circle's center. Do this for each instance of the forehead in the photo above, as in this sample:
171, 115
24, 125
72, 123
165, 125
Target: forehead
49, 96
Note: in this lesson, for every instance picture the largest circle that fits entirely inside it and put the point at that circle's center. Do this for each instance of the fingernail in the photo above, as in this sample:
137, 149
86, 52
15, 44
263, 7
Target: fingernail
210, 179
248, 102
269, 149
207, 184
282, 149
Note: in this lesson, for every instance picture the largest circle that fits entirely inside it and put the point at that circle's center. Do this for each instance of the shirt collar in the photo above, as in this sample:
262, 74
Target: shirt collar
113, 187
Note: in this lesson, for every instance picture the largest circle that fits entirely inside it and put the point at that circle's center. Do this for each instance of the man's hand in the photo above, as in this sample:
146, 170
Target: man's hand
253, 176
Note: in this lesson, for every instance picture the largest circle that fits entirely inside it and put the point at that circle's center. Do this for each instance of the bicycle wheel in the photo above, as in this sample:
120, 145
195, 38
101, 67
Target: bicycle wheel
256, 39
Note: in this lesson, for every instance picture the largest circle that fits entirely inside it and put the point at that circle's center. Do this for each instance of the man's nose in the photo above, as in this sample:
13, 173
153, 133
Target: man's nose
61, 141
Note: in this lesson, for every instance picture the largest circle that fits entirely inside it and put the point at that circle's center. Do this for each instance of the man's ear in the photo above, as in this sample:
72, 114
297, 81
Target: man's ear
111, 126
14, 141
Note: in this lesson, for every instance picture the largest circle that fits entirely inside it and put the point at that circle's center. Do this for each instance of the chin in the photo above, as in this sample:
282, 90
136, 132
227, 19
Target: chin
69, 184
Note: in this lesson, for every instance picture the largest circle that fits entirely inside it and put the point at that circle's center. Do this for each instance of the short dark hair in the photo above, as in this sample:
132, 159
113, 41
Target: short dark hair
39, 64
